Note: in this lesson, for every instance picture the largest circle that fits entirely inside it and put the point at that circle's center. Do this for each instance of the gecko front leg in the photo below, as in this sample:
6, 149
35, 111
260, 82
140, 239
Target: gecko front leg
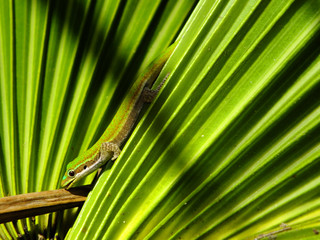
109, 147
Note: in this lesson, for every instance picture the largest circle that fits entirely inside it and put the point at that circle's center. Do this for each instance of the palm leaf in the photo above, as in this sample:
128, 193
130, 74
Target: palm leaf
229, 149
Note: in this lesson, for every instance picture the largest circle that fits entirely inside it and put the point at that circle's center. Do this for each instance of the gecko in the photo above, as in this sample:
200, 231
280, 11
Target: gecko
108, 145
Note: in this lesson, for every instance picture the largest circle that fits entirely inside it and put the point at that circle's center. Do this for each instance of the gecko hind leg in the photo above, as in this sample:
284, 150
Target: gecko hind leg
148, 95
109, 147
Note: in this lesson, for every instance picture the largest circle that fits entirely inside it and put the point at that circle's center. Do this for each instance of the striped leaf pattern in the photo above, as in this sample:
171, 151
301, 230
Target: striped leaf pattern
230, 149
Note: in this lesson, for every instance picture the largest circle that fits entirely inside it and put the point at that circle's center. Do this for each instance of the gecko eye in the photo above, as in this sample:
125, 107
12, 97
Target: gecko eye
70, 173
85, 166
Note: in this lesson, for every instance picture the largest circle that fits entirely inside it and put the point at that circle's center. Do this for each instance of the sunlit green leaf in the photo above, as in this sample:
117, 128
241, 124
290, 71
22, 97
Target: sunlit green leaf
228, 150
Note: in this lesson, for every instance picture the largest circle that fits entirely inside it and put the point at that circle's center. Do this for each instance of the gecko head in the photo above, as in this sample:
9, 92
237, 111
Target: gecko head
78, 169
69, 178
73, 172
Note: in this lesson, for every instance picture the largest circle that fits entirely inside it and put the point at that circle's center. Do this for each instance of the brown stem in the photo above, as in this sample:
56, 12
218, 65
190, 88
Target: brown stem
32, 204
